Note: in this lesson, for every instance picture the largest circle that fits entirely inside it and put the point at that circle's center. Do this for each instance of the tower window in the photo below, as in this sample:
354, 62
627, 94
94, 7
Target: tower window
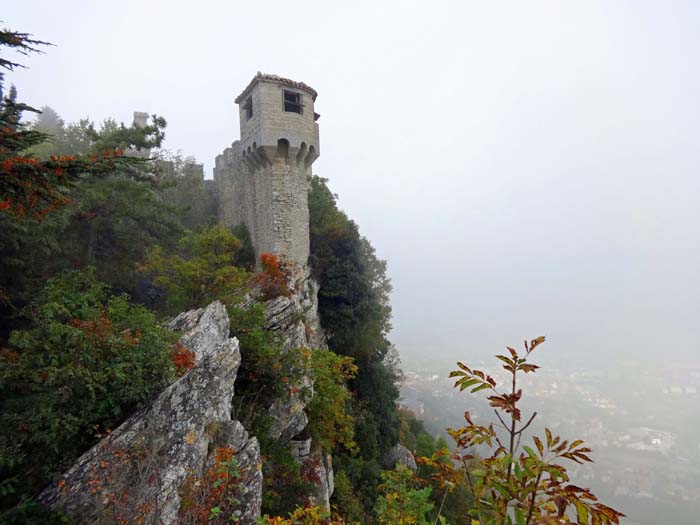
292, 102
248, 108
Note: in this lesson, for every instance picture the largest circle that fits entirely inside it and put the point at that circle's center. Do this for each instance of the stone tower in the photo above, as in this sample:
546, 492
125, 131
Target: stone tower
262, 179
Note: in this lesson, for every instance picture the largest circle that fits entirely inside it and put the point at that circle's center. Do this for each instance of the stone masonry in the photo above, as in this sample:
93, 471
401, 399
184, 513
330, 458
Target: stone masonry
262, 179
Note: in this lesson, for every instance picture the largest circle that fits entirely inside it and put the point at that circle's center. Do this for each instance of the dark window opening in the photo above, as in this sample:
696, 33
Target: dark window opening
292, 102
248, 108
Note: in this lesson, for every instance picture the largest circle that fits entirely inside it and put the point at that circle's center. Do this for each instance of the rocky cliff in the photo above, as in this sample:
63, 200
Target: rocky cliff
155, 466
295, 318
142, 469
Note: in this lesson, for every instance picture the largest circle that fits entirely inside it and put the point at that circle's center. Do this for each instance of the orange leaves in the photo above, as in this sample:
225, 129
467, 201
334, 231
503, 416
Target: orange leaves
212, 498
29, 185
98, 330
272, 281
183, 359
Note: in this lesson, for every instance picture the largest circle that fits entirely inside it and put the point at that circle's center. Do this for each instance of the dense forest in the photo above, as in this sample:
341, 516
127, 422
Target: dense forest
100, 247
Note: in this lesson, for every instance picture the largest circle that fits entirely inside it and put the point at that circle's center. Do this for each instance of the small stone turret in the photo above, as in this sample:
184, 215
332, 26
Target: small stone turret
262, 179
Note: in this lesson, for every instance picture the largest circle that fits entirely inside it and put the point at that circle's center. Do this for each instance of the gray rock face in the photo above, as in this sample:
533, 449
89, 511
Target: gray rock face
144, 466
318, 467
400, 455
296, 319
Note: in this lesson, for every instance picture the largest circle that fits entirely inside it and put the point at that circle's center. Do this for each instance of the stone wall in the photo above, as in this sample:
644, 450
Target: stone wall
271, 199
270, 122
262, 179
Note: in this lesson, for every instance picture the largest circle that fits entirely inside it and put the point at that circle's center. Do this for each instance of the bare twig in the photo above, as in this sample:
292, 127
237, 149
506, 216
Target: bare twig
527, 424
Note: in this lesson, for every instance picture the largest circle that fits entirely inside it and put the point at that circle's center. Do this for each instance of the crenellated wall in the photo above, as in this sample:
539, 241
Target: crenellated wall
262, 179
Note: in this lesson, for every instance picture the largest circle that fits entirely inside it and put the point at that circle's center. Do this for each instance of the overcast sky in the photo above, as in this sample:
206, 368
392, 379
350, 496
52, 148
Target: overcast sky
526, 168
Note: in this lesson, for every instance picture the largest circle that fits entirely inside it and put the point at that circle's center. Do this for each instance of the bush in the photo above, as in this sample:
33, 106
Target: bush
87, 361
330, 421
401, 503
203, 271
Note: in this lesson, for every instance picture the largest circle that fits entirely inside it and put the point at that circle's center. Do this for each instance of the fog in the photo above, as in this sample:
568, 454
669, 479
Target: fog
526, 168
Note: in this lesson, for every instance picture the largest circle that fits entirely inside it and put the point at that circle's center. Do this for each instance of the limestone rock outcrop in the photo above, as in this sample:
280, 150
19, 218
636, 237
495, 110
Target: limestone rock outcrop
295, 318
142, 466
400, 455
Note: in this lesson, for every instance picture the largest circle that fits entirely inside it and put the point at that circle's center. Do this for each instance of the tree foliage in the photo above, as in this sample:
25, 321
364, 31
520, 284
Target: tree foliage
355, 315
204, 270
87, 360
33, 187
330, 420
402, 502
69, 207
182, 186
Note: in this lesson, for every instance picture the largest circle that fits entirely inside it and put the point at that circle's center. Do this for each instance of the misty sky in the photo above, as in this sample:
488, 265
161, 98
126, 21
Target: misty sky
526, 168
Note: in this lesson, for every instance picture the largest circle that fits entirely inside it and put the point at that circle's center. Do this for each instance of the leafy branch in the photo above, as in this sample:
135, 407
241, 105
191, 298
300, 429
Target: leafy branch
514, 486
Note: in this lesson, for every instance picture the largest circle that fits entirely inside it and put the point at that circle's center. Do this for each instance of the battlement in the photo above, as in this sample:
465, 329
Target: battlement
262, 179
274, 109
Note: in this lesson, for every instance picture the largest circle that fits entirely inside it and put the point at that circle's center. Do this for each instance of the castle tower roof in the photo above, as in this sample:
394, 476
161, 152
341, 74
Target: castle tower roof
280, 80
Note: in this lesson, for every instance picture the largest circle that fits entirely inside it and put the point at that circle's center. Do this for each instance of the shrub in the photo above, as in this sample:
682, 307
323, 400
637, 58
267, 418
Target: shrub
330, 420
88, 359
401, 503
271, 279
203, 271
514, 485
303, 516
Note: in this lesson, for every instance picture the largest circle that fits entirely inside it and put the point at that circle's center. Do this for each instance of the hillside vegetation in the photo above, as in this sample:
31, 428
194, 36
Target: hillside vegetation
99, 250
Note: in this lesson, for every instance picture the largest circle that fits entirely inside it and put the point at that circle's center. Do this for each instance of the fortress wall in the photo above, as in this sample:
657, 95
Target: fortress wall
290, 217
262, 180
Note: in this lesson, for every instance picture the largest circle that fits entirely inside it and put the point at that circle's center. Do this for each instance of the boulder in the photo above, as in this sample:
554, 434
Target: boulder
143, 469
400, 455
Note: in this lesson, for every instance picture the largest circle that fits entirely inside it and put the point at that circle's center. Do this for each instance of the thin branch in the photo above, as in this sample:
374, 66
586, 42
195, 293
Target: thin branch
517, 443
444, 496
532, 501
501, 420
527, 424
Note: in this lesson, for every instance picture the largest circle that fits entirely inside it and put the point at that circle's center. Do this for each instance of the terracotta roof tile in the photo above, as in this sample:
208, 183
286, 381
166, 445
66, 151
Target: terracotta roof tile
274, 78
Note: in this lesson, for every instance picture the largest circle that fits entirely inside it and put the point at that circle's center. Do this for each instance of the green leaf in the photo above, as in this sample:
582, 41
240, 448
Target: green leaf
506, 360
530, 452
483, 386
519, 516
464, 367
517, 470
467, 383
538, 444
581, 513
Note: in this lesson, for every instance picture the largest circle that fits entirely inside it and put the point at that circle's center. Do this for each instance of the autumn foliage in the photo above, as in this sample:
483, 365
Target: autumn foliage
211, 498
516, 485
183, 359
271, 280
33, 188
88, 359
303, 516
